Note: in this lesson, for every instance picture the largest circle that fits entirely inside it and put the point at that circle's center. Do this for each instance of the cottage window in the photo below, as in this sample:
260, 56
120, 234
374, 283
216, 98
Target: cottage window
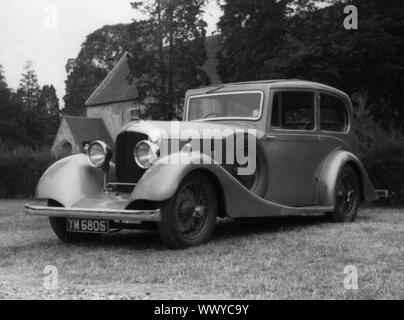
134, 114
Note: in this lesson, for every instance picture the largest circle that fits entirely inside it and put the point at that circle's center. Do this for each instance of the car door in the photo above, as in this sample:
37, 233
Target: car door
291, 146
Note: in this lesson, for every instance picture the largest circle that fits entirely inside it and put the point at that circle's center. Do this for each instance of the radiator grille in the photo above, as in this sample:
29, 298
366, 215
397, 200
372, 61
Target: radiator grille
127, 171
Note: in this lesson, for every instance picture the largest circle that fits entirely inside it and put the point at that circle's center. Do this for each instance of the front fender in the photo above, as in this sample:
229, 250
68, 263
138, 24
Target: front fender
162, 181
329, 175
71, 179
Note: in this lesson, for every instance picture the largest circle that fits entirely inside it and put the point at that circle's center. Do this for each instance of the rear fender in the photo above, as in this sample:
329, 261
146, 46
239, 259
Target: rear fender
71, 179
328, 179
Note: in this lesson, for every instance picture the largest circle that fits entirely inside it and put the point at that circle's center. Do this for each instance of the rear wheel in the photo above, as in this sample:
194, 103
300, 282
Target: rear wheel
59, 228
347, 197
189, 217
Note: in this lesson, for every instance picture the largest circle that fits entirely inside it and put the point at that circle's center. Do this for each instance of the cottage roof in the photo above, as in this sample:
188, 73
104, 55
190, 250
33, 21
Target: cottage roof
88, 129
115, 87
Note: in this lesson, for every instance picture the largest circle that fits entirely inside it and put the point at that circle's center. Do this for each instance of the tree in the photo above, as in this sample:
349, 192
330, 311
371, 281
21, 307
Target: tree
12, 123
24, 122
366, 63
48, 101
44, 122
252, 32
167, 54
3, 83
98, 54
4, 90
29, 90
5, 117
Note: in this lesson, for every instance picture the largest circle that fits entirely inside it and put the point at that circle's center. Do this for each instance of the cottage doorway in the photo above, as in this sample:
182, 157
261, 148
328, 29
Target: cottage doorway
66, 149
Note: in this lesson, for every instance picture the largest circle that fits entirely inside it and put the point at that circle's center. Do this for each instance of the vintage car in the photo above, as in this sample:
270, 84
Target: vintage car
244, 150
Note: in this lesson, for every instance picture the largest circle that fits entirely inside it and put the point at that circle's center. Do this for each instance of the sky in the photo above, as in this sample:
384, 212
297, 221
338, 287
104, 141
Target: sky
49, 32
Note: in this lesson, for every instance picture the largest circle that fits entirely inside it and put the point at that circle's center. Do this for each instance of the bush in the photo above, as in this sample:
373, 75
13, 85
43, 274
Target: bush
368, 131
20, 171
385, 164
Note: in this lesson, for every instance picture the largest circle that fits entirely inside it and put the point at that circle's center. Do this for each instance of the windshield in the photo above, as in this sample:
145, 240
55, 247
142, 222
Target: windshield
242, 105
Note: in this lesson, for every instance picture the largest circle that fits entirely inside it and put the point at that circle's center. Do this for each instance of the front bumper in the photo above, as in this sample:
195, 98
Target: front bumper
134, 216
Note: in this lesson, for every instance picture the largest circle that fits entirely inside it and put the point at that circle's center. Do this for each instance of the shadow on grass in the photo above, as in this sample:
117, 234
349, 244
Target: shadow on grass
124, 240
244, 227
225, 229
134, 240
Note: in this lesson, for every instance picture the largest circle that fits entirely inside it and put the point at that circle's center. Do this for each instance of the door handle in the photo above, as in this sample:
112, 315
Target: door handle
269, 137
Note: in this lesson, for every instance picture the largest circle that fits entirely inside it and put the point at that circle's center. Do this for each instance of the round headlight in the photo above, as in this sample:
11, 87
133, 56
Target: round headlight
99, 154
146, 153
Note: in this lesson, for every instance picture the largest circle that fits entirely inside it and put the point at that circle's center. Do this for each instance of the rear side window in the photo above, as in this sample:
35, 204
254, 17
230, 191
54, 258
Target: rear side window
333, 114
293, 111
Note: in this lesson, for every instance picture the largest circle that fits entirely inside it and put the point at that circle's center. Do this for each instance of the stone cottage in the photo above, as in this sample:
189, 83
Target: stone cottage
113, 100
110, 106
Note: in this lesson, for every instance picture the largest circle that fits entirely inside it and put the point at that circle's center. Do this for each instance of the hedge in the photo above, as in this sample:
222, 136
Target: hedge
20, 171
384, 163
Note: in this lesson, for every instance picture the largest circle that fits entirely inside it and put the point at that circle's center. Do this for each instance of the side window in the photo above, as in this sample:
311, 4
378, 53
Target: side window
293, 111
333, 114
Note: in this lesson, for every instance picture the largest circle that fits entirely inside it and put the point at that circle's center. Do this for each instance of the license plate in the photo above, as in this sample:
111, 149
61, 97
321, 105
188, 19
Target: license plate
87, 225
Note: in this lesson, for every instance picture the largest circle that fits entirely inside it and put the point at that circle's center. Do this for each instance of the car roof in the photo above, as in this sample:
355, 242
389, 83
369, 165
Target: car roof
275, 83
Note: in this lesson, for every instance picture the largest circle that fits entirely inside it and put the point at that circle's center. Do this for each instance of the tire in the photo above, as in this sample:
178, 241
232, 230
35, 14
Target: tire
189, 217
59, 228
347, 194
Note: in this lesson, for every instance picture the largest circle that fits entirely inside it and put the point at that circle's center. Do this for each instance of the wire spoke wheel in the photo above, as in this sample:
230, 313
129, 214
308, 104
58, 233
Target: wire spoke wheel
191, 211
189, 217
345, 196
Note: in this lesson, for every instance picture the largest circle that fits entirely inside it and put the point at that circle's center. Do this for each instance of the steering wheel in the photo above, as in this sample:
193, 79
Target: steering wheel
209, 115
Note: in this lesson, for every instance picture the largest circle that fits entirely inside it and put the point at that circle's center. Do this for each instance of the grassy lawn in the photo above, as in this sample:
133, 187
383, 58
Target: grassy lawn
288, 258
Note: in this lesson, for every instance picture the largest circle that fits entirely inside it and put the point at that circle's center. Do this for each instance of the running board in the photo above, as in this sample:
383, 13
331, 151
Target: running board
305, 211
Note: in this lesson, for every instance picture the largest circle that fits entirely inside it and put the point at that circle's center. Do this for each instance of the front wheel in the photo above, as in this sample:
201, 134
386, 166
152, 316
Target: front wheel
347, 197
189, 217
59, 228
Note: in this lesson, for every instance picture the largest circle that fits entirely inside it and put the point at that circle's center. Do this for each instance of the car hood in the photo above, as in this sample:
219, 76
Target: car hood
158, 130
